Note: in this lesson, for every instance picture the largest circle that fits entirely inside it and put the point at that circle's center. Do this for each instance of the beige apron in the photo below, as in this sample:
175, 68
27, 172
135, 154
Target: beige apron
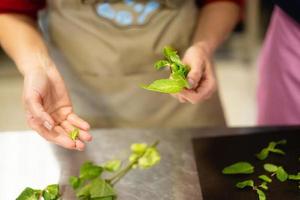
111, 47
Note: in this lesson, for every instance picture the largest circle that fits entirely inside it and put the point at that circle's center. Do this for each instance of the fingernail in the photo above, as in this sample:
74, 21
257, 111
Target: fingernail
191, 83
47, 125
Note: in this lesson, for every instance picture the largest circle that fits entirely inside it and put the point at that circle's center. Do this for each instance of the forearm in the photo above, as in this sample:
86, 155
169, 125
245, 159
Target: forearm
22, 41
216, 21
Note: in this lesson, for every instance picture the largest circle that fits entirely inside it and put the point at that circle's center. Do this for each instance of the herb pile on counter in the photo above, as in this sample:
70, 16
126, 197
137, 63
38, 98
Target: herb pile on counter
179, 71
273, 170
90, 184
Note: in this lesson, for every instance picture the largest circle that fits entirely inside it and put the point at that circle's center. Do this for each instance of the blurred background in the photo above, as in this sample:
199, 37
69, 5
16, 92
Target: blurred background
235, 63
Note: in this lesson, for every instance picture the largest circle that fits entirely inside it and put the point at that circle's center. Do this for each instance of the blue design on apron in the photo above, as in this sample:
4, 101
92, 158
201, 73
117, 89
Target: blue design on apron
133, 14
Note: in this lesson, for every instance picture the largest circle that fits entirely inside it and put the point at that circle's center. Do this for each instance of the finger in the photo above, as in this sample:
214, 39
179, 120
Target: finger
38, 113
79, 145
181, 98
195, 75
83, 135
78, 122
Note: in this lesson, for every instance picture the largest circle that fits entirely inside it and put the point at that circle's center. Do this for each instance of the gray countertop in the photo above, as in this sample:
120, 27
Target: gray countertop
28, 160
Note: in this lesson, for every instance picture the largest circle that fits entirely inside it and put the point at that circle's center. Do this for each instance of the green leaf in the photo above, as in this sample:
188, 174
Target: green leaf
282, 142
112, 166
89, 171
75, 182
239, 168
172, 55
294, 177
168, 86
161, 64
281, 174
278, 151
100, 189
264, 186
51, 192
246, 183
29, 194
149, 159
84, 192
138, 148
270, 167
74, 134
261, 194
265, 178
263, 154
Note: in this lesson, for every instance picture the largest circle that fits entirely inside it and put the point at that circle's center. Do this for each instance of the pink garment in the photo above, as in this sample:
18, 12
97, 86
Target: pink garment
279, 72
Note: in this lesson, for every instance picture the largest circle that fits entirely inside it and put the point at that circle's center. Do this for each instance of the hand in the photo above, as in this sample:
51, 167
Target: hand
201, 76
49, 109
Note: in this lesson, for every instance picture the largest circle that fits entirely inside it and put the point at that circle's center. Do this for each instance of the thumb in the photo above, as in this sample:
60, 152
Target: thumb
39, 114
195, 75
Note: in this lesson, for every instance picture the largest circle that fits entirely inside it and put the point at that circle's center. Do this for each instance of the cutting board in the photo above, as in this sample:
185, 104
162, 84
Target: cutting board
214, 153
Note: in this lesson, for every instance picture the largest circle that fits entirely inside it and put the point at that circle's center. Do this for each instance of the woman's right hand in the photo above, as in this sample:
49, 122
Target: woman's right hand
49, 108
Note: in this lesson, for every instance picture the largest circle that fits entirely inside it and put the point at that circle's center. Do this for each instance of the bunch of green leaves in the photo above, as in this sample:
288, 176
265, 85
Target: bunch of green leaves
263, 154
179, 71
89, 185
51, 192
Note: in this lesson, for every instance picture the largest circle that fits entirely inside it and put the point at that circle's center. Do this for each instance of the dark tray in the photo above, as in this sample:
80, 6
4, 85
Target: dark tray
215, 153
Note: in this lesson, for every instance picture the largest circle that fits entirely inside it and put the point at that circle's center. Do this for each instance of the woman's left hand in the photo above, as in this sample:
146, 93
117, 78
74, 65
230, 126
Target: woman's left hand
201, 76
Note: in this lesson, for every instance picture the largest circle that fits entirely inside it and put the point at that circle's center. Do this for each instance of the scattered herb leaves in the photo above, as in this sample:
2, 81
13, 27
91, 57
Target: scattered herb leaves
264, 153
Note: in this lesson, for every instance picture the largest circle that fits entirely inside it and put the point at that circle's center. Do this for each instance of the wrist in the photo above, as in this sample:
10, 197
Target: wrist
207, 47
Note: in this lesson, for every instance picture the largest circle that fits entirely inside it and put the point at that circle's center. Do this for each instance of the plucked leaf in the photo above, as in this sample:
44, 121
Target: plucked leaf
239, 168
265, 178
246, 183
264, 186
74, 134
270, 167
29, 194
261, 194
278, 151
281, 174
294, 177
263, 154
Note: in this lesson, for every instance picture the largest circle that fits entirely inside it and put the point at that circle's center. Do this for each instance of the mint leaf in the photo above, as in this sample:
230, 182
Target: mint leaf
84, 192
112, 166
261, 194
294, 177
29, 194
165, 86
100, 189
161, 64
89, 171
270, 167
265, 178
246, 183
75, 182
278, 151
281, 174
264, 186
239, 168
171, 55
263, 154
51, 192
74, 134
